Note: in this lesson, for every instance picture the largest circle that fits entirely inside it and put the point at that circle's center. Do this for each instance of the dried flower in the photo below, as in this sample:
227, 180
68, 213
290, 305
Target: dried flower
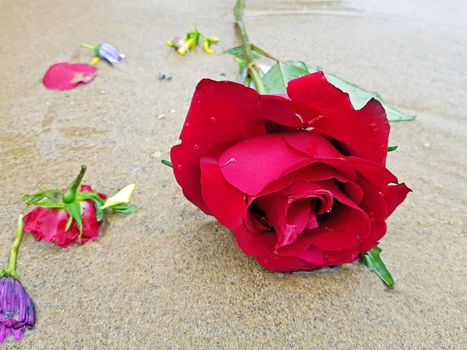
106, 52
16, 307
207, 44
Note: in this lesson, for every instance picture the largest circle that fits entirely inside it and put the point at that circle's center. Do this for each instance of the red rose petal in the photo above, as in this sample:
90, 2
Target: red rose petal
66, 76
288, 263
278, 109
324, 107
220, 112
378, 229
248, 165
255, 243
395, 195
223, 200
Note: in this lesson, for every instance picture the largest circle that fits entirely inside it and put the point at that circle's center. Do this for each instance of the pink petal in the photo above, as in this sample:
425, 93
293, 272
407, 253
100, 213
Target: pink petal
66, 76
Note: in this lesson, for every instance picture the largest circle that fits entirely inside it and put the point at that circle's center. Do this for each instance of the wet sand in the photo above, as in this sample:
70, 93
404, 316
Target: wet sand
170, 277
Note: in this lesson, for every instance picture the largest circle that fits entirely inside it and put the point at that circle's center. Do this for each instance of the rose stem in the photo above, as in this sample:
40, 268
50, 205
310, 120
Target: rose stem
239, 9
14, 248
70, 195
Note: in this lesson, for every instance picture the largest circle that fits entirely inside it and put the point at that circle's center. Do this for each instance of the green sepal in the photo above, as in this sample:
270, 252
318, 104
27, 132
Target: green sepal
45, 199
276, 79
6, 273
125, 209
392, 148
74, 209
99, 210
374, 263
82, 196
68, 223
98, 202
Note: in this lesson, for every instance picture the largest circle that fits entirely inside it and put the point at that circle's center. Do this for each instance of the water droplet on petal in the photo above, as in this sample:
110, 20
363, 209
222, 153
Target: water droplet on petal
179, 167
230, 161
196, 147
213, 119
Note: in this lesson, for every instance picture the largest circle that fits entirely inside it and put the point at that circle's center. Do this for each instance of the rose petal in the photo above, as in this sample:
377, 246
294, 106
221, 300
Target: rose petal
378, 229
395, 195
255, 243
220, 113
328, 110
278, 109
248, 165
66, 76
223, 200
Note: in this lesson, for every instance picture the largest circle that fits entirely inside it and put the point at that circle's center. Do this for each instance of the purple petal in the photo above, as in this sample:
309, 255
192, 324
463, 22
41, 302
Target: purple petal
16, 309
110, 53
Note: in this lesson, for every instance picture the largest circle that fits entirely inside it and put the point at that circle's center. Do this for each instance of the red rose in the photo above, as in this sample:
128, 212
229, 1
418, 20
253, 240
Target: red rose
50, 224
300, 179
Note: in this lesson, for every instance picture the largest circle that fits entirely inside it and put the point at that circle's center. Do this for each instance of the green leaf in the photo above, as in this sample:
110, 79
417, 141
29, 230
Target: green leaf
237, 51
276, 79
392, 148
374, 263
263, 53
359, 98
125, 209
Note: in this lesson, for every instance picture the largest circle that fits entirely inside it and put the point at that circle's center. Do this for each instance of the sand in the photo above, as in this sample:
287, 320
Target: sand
169, 276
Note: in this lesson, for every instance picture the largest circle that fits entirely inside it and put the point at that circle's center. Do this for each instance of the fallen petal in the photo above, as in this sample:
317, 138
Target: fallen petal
66, 76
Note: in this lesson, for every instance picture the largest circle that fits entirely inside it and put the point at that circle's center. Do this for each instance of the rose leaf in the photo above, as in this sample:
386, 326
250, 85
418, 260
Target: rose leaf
374, 263
276, 79
359, 98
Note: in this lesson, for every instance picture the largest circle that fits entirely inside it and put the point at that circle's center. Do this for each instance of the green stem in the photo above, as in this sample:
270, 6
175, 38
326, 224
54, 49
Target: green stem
252, 70
94, 48
167, 162
14, 249
70, 195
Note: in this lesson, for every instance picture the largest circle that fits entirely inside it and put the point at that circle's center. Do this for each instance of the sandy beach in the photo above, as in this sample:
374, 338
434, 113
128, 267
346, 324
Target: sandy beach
170, 277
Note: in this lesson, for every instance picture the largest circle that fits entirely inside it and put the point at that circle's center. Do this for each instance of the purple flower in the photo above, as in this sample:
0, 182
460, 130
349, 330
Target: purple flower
16, 309
109, 53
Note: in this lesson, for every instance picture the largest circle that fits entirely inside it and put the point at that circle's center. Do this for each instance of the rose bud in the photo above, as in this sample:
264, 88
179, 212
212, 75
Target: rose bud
300, 179
106, 52
74, 215
16, 307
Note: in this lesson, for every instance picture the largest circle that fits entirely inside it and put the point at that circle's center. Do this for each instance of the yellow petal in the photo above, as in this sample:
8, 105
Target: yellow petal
206, 47
122, 197
95, 60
